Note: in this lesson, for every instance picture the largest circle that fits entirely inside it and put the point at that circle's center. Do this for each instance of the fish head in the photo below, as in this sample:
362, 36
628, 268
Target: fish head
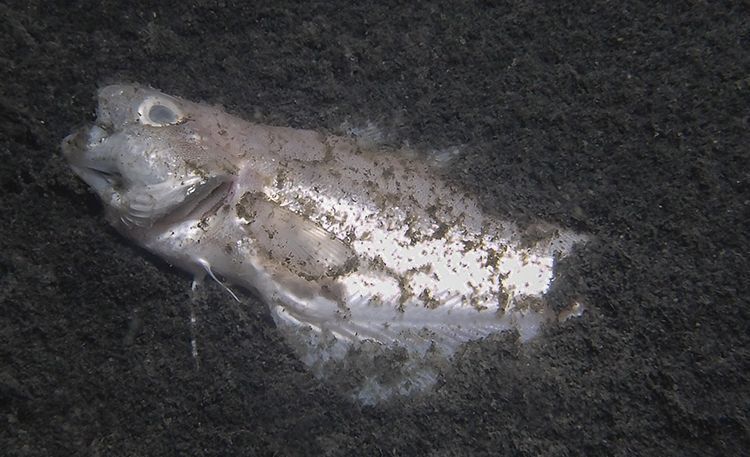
144, 155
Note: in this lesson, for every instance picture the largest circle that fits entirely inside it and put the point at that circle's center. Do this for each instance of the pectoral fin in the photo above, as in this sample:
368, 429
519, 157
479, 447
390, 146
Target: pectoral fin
296, 242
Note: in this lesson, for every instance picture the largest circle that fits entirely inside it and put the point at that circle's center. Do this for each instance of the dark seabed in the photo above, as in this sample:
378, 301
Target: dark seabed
629, 122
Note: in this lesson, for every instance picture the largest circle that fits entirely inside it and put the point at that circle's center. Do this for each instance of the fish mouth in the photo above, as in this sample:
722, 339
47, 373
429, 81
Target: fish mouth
75, 145
77, 150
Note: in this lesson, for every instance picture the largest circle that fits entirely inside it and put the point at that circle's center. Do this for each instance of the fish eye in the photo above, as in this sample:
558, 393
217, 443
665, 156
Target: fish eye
159, 112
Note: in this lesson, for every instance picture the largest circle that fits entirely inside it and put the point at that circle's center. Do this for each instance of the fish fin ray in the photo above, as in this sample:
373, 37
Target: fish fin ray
300, 244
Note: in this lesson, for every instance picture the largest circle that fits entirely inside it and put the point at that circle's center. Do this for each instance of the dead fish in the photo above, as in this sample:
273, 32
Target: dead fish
375, 270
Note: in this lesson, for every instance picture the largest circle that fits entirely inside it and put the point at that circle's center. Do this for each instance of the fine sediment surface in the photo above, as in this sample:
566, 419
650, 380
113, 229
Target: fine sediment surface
627, 122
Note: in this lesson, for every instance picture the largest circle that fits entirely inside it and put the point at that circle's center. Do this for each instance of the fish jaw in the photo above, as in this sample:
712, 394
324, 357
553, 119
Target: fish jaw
98, 176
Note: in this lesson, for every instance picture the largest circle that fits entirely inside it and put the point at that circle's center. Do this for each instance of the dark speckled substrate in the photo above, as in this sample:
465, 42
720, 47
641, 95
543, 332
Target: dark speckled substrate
629, 122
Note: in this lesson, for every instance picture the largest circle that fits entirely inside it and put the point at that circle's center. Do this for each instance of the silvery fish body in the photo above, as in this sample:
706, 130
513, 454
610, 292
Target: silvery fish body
361, 253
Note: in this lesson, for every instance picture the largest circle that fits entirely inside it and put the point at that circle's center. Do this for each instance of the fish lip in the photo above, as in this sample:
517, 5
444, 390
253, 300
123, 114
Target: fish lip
75, 145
